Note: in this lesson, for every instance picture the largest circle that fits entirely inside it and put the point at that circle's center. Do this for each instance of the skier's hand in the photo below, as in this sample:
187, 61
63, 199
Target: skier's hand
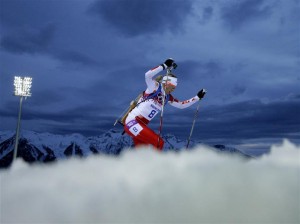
201, 93
169, 62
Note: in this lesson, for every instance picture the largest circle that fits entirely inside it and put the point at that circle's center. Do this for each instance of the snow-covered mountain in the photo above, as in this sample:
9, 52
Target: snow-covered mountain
46, 147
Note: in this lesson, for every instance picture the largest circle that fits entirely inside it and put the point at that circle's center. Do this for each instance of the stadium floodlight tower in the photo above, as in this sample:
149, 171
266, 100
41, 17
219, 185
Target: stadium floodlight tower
22, 89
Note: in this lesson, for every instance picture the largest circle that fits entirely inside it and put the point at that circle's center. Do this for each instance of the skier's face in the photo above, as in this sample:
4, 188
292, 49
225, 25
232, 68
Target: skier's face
169, 88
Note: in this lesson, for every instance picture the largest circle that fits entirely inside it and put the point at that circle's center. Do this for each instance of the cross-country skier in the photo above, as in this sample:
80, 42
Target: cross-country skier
150, 104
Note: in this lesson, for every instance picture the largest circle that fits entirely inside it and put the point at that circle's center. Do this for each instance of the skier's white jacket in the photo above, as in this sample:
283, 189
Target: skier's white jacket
148, 108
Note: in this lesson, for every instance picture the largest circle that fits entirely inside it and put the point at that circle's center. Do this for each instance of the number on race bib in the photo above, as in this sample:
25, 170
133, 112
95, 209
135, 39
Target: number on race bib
136, 129
152, 113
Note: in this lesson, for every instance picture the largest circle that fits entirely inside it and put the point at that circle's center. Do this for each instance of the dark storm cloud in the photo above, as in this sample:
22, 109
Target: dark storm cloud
205, 69
28, 40
85, 115
76, 57
236, 14
45, 98
12, 10
294, 97
238, 89
86, 73
206, 14
33, 41
135, 17
89, 120
32, 26
32, 13
33, 106
244, 120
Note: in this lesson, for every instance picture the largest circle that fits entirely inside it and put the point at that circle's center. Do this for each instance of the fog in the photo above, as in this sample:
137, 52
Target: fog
146, 186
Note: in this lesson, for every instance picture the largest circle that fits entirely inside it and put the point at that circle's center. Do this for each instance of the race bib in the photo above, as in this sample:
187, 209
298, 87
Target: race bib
134, 127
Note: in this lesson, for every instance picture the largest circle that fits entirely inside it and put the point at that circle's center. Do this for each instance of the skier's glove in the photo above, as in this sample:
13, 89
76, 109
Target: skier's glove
201, 93
169, 63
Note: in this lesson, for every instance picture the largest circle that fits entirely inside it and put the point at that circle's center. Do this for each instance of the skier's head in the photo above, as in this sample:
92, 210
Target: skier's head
169, 83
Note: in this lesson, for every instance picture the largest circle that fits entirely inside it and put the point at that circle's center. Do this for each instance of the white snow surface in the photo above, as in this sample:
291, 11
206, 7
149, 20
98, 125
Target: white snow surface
145, 186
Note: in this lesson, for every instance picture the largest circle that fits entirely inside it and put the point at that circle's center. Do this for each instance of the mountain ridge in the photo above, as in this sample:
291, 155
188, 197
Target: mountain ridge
46, 147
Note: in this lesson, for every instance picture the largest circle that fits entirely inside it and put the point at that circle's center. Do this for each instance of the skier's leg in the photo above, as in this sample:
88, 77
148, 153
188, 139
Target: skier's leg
131, 133
149, 137
137, 142
143, 135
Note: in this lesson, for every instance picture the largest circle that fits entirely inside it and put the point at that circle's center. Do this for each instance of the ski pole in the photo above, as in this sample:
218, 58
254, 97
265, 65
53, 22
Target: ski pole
174, 66
118, 118
124, 112
163, 102
162, 110
192, 129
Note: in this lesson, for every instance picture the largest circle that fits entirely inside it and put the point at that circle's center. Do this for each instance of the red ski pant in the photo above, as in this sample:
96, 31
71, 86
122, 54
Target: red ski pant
142, 134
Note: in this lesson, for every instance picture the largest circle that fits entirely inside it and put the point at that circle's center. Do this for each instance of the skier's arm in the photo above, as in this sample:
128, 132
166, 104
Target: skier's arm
149, 75
187, 103
183, 104
150, 81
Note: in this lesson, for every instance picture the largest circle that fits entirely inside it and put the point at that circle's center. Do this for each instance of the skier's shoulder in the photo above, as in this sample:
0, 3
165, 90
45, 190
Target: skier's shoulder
172, 98
153, 88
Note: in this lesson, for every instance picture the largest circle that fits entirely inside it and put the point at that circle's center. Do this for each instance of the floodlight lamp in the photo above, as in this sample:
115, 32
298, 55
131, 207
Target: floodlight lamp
22, 86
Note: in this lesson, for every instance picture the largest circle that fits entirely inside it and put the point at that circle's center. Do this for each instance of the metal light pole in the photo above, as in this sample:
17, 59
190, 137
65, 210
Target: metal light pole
22, 89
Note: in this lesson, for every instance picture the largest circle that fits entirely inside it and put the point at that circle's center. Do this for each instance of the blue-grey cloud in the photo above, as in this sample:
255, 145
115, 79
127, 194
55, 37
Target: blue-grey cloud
36, 32
135, 17
28, 41
76, 57
207, 14
238, 13
238, 89
40, 41
89, 119
84, 59
207, 69
44, 97
293, 96
244, 120
32, 13
12, 10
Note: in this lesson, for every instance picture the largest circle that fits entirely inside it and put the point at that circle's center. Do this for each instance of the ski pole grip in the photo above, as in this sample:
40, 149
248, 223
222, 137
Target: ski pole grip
174, 65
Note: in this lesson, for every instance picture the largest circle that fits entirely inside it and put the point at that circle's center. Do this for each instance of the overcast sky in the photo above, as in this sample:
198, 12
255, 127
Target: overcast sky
88, 59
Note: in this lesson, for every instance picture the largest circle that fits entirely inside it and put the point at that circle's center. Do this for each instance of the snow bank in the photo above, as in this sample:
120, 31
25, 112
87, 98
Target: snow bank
200, 186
